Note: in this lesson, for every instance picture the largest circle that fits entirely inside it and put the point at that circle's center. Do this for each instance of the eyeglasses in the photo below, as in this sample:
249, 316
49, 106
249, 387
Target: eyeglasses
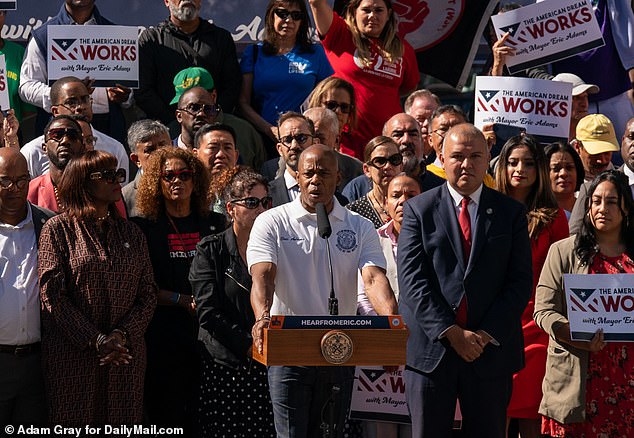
283, 14
333, 105
287, 140
73, 103
380, 162
90, 140
110, 176
183, 175
58, 134
208, 110
440, 132
20, 183
253, 202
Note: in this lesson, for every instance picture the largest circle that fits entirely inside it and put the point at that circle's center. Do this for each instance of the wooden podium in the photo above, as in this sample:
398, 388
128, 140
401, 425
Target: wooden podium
334, 341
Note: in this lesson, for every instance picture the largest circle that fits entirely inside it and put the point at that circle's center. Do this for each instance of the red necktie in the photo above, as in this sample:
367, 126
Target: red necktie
465, 226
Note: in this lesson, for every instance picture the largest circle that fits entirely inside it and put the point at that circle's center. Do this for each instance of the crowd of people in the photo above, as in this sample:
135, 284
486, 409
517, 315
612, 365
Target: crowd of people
143, 257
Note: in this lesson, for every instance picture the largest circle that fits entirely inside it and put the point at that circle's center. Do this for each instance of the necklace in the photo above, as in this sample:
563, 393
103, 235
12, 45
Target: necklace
104, 217
60, 206
382, 210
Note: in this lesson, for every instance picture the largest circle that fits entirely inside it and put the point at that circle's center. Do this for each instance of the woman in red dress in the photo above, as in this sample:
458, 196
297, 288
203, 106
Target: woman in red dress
588, 384
522, 174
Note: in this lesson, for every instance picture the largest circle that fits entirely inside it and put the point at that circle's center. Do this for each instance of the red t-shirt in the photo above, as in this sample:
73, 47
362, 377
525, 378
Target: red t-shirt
378, 87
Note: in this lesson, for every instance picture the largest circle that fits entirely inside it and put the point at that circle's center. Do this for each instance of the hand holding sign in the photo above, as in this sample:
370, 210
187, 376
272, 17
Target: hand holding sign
119, 93
500, 52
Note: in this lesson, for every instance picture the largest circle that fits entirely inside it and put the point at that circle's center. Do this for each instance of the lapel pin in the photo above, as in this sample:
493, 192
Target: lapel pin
489, 211
126, 244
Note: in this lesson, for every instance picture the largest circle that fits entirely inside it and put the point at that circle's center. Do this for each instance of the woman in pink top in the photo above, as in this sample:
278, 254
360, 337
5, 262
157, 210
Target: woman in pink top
363, 48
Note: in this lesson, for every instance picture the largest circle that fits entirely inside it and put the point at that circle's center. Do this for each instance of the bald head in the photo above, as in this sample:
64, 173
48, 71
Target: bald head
317, 176
465, 157
14, 175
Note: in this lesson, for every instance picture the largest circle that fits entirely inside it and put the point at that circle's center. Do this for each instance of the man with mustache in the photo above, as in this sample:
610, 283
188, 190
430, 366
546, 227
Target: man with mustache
34, 89
182, 41
63, 141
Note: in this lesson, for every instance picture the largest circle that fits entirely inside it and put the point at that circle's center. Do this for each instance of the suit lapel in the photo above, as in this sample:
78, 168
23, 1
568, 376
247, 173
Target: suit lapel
445, 218
483, 223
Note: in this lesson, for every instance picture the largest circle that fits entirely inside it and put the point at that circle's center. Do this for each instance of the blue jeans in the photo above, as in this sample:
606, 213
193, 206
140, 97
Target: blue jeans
300, 395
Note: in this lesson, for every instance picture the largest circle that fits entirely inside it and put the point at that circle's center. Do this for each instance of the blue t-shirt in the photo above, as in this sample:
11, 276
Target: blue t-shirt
282, 82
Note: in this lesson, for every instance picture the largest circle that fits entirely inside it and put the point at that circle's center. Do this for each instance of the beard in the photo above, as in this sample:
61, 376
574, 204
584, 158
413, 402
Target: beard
410, 165
185, 12
59, 163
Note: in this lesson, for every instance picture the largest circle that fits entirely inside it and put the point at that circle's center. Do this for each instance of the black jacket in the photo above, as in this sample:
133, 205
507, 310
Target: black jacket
221, 285
164, 51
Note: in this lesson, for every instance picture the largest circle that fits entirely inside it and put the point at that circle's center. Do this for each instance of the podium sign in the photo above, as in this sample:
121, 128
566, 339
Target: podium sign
334, 341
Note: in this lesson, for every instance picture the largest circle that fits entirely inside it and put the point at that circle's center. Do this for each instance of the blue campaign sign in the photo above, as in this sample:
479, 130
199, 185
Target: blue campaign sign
244, 19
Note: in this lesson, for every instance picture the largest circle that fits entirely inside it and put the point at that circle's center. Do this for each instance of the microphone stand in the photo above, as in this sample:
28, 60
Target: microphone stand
333, 302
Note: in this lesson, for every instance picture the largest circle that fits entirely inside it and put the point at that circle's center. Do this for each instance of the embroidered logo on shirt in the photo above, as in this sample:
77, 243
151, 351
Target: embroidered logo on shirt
297, 67
380, 66
346, 240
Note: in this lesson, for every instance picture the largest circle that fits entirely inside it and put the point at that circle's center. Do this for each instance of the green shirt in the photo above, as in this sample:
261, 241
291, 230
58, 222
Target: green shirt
13, 54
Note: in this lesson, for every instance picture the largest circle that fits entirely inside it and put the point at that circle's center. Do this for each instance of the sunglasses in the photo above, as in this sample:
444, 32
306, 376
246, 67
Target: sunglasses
183, 175
20, 183
58, 134
333, 105
380, 162
283, 14
208, 110
287, 140
253, 202
110, 176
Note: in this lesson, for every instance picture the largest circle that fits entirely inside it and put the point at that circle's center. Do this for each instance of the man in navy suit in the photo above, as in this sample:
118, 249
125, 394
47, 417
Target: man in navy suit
464, 271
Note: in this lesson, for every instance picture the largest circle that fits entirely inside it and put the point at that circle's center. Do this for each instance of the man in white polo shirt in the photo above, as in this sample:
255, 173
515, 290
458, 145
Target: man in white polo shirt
289, 267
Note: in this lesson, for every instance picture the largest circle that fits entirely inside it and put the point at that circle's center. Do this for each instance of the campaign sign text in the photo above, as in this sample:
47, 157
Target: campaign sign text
379, 395
4, 87
600, 301
548, 31
541, 107
107, 54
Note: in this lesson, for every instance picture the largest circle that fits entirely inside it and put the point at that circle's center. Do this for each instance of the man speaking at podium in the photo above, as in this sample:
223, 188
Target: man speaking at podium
290, 270
464, 271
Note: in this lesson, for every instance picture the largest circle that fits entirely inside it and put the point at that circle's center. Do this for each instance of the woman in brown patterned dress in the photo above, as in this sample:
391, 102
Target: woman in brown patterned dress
98, 295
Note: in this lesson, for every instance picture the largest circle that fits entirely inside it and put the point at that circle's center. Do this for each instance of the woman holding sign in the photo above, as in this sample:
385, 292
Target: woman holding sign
587, 383
522, 174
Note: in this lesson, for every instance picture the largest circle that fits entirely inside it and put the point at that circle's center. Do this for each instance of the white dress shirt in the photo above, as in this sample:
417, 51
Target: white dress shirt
291, 185
19, 288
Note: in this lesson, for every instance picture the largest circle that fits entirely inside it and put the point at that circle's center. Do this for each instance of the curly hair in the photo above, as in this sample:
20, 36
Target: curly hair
541, 203
74, 187
333, 83
234, 183
270, 46
150, 201
586, 246
391, 46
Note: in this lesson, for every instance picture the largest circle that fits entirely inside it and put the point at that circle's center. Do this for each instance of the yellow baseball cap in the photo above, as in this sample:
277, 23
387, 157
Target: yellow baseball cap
596, 132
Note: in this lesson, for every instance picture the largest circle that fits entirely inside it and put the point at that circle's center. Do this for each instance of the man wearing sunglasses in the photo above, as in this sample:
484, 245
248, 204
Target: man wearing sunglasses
287, 262
197, 107
63, 141
22, 386
181, 41
70, 96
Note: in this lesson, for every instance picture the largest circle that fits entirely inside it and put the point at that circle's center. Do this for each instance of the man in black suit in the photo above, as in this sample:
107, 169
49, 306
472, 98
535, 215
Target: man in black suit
295, 133
464, 271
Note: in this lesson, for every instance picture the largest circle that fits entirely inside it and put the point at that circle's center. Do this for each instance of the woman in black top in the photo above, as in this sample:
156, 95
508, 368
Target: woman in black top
234, 392
173, 200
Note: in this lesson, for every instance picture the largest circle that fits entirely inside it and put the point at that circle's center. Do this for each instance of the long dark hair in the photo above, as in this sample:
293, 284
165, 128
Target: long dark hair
586, 246
541, 203
269, 45
78, 201
563, 147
